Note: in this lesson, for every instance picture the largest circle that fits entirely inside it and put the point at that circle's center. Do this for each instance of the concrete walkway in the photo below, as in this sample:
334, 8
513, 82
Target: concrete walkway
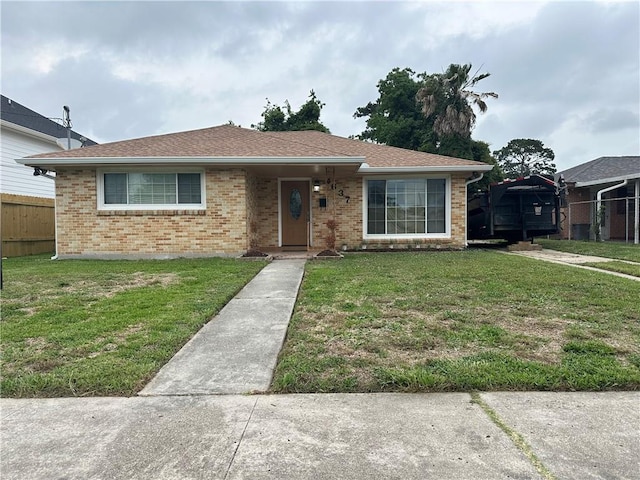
327, 436
573, 259
236, 352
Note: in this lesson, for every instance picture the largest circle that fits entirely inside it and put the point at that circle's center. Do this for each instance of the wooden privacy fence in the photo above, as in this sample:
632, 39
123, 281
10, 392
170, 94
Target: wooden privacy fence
28, 225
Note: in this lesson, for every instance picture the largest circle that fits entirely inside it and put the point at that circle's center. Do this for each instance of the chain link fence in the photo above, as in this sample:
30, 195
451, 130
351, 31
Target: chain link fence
617, 220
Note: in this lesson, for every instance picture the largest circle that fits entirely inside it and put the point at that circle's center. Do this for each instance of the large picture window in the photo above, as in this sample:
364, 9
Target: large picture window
151, 190
406, 207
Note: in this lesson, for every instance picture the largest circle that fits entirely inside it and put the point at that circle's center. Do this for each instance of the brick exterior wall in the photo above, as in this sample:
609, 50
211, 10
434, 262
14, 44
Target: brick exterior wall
242, 211
83, 230
348, 214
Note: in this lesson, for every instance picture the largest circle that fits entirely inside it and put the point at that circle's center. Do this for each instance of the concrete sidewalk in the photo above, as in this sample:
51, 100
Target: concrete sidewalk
574, 260
236, 352
322, 436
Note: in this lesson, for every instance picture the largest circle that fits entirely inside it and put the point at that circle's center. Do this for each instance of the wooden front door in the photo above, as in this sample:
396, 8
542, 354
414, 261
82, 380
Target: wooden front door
294, 212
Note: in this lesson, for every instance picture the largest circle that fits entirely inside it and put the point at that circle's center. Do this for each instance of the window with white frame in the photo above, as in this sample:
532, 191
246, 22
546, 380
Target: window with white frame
406, 207
147, 190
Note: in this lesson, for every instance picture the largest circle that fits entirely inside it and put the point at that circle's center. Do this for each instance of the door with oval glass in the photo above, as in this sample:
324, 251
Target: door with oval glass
294, 212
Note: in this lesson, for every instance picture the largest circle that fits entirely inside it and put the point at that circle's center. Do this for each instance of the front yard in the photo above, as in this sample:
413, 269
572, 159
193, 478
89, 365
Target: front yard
460, 321
104, 327
430, 321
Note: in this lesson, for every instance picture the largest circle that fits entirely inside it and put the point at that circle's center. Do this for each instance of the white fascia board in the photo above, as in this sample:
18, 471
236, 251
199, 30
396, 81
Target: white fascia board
448, 169
603, 181
233, 161
28, 131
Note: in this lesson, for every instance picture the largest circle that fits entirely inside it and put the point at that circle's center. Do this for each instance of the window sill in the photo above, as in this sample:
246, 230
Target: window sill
149, 213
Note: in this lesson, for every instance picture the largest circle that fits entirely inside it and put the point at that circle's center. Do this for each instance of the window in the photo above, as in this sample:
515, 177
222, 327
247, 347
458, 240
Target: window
151, 190
406, 207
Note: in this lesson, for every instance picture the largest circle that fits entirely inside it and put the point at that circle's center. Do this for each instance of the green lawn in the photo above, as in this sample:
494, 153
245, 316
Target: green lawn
620, 251
616, 266
77, 327
459, 321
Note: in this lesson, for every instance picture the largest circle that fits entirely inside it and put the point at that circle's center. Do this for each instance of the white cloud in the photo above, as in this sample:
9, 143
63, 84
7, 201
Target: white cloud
567, 73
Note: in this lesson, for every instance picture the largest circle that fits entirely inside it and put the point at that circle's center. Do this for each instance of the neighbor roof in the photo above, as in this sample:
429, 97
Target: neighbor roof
13, 112
603, 170
240, 144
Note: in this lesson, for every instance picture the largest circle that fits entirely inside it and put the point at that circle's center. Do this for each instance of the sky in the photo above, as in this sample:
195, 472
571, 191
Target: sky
567, 73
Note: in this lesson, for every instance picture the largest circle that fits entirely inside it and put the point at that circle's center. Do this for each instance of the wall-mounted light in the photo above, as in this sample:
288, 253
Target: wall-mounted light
316, 185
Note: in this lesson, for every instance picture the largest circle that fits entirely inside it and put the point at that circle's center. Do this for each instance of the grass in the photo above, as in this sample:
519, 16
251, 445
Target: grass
620, 251
76, 328
459, 321
620, 267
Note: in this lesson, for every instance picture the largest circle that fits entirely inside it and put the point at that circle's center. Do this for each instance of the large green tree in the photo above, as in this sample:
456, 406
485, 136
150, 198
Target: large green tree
481, 153
395, 118
525, 156
426, 112
279, 119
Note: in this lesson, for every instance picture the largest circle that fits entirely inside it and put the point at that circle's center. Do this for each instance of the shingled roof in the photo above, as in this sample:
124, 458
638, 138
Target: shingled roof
228, 141
603, 170
13, 112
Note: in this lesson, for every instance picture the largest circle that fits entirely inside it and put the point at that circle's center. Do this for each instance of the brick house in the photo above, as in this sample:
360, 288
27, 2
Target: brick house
613, 183
224, 190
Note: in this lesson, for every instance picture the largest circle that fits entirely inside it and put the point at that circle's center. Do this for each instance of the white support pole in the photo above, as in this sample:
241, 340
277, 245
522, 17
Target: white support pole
636, 213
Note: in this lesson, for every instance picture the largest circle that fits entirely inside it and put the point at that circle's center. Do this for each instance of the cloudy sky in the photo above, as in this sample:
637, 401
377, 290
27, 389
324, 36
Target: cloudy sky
568, 73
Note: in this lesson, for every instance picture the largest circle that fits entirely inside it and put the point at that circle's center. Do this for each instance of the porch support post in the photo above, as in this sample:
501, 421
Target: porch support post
636, 213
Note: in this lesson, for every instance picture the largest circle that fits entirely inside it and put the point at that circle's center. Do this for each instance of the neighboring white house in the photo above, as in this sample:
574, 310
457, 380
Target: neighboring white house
27, 201
24, 132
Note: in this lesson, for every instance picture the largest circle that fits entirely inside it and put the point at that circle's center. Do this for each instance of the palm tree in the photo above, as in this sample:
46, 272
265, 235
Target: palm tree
448, 98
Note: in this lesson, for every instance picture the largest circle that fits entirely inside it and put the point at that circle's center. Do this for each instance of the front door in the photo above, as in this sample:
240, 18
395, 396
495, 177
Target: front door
294, 212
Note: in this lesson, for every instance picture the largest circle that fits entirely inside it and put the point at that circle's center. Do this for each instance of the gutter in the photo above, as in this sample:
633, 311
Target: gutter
366, 169
218, 161
599, 206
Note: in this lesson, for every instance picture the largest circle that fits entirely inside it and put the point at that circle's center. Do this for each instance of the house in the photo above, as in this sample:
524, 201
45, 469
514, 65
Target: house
27, 200
24, 133
609, 185
224, 190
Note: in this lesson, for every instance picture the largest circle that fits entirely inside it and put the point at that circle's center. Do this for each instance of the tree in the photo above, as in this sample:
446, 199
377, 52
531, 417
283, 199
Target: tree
430, 113
481, 153
275, 119
525, 156
395, 118
449, 100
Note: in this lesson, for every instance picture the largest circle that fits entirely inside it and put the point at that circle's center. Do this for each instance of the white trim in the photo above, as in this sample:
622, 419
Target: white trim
366, 170
145, 207
631, 176
295, 179
400, 236
30, 132
244, 161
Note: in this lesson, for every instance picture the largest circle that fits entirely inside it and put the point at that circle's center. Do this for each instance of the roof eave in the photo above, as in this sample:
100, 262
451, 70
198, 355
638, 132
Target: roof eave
365, 169
28, 131
619, 178
216, 161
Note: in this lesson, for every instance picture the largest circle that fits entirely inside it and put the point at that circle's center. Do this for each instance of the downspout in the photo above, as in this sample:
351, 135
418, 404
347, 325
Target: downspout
466, 200
40, 172
599, 205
